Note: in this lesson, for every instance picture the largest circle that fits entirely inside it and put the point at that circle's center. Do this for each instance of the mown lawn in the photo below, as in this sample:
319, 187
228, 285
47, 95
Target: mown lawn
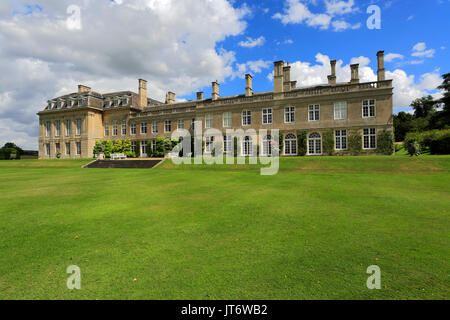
226, 232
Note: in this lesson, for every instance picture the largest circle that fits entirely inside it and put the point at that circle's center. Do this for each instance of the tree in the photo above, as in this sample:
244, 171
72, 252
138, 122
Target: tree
423, 107
446, 87
403, 123
12, 145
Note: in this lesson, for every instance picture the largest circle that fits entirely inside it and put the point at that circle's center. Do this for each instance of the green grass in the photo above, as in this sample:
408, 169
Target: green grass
226, 232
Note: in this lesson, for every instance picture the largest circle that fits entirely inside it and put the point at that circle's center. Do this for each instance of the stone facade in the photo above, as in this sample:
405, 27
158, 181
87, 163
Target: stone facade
90, 116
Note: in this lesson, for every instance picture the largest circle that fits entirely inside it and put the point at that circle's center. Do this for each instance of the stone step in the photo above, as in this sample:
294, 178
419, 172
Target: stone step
131, 164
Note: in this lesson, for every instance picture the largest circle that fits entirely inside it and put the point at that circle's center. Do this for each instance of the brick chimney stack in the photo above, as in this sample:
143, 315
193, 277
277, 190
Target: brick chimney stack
380, 72
332, 77
248, 85
278, 76
354, 68
143, 102
215, 90
287, 78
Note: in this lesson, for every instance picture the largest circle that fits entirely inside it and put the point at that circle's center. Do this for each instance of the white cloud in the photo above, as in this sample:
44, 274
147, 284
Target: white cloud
339, 7
288, 41
341, 25
410, 18
296, 13
392, 56
253, 67
118, 43
251, 43
419, 50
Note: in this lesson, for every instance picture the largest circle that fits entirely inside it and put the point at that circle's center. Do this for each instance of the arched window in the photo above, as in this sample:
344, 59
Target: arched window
267, 145
247, 146
314, 144
290, 145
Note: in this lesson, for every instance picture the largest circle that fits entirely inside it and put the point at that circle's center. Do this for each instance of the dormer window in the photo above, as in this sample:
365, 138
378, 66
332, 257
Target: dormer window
49, 105
60, 104
124, 101
116, 102
80, 102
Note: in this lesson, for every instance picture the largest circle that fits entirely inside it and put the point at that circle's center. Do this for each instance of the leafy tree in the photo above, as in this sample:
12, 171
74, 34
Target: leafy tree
423, 107
109, 146
118, 146
126, 148
403, 123
12, 145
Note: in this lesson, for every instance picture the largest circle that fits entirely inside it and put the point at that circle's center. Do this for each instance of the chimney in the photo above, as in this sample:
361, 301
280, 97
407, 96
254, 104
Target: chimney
82, 89
200, 95
293, 84
278, 76
143, 102
355, 73
332, 77
248, 85
380, 73
170, 97
215, 90
287, 78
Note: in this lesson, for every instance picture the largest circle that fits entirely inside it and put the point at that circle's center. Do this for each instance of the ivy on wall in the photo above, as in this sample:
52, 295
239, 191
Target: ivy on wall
354, 142
280, 142
328, 142
302, 142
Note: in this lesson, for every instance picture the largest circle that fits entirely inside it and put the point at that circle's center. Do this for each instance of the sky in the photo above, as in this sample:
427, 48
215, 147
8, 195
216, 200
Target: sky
48, 47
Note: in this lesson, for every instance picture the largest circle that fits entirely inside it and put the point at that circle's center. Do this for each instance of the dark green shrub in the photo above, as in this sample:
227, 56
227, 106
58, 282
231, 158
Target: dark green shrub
328, 142
137, 150
413, 143
9, 154
440, 144
354, 142
385, 142
302, 142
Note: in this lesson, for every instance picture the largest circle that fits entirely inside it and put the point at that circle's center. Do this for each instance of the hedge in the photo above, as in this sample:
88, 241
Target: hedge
302, 142
434, 141
385, 142
5, 154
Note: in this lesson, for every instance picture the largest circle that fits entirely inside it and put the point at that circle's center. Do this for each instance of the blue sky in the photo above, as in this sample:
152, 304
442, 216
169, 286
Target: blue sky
48, 47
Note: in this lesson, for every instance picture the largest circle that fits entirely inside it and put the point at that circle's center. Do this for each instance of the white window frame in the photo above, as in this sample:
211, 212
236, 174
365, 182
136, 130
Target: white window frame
47, 149
124, 101
180, 124
167, 125
143, 127
371, 137
78, 147
340, 113
133, 146
153, 145
246, 118
209, 121
68, 127
67, 148
289, 115
57, 128
78, 125
267, 143
314, 112
227, 144
369, 105
227, 119
143, 145
133, 129
247, 146
314, 144
290, 145
106, 129
340, 139
154, 127
267, 115
124, 127
80, 101
209, 144
48, 128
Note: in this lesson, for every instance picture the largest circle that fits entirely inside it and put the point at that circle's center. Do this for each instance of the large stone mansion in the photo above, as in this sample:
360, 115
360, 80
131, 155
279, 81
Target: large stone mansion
71, 124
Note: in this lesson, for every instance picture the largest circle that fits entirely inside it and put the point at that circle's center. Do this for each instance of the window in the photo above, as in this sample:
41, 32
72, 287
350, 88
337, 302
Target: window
289, 115
57, 128
246, 118
193, 124
133, 146
108, 103
227, 144
154, 127
59, 105
340, 110
227, 119
68, 148
341, 139
106, 129
290, 145
209, 145
368, 108
124, 101
144, 148
153, 145
124, 127
57, 147
267, 146
78, 122
115, 130
314, 112
47, 149
208, 121
133, 128
80, 102
180, 124
167, 126
247, 146
144, 128
116, 102
315, 144
369, 137
47, 129
267, 116
68, 125
78, 148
